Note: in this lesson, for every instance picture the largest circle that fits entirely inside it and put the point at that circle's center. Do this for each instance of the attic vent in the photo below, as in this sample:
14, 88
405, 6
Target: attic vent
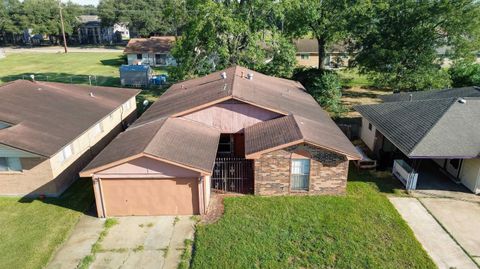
249, 76
223, 75
462, 101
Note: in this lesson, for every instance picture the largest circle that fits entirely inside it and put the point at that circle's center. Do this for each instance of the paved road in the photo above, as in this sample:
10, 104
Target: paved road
135, 242
55, 49
443, 250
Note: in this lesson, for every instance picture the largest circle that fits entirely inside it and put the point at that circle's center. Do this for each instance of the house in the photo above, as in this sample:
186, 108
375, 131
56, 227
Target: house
307, 54
441, 125
234, 130
153, 51
91, 31
50, 131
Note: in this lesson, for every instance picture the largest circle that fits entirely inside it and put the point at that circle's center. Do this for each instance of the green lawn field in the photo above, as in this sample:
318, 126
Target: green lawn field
31, 230
359, 230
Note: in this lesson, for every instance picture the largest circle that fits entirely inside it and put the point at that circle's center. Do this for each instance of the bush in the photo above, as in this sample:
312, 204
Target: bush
324, 86
465, 74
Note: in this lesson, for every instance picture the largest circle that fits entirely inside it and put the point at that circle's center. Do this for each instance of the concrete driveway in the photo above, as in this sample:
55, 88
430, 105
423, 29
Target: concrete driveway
461, 219
429, 217
135, 242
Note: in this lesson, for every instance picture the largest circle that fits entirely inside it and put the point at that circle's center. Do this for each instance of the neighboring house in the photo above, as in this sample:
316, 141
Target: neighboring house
50, 131
439, 125
153, 51
307, 54
91, 31
235, 130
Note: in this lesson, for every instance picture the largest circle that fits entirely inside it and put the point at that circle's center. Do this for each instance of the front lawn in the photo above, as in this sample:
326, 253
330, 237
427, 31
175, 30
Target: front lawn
31, 230
359, 230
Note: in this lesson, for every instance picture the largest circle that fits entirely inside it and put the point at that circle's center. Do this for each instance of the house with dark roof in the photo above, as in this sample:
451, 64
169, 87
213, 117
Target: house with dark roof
153, 51
234, 130
50, 131
336, 55
439, 125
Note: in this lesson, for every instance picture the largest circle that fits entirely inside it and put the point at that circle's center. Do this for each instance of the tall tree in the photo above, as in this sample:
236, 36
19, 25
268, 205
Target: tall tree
219, 34
398, 40
326, 20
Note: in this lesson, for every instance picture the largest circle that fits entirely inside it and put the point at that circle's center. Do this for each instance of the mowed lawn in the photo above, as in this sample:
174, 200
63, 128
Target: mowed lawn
359, 230
31, 230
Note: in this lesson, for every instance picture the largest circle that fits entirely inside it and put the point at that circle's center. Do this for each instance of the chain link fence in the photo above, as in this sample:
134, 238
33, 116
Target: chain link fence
93, 80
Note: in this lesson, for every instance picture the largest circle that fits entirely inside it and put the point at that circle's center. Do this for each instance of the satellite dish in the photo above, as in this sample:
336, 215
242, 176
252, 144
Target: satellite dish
145, 103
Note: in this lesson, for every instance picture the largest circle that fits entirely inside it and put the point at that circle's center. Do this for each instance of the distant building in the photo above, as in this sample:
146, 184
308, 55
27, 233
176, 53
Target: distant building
153, 51
307, 54
91, 31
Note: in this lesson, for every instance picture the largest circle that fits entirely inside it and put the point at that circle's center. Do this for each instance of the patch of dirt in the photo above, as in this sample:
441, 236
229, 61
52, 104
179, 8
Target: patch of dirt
216, 208
360, 96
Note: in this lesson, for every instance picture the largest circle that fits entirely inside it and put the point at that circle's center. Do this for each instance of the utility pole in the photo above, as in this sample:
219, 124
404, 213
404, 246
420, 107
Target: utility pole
63, 27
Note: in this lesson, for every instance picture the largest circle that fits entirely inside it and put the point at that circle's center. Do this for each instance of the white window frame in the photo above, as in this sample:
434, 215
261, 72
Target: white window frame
126, 105
97, 129
300, 168
66, 153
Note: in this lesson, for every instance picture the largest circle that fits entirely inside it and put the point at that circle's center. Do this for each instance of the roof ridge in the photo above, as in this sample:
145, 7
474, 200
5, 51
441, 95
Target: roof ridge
453, 101
235, 68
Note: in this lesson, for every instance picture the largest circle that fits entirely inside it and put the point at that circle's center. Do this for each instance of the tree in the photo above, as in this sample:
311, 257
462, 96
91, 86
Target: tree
145, 17
465, 73
397, 42
219, 34
327, 20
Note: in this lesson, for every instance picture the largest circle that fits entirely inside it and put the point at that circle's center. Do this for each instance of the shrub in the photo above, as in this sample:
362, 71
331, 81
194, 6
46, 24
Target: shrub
324, 86
465, 74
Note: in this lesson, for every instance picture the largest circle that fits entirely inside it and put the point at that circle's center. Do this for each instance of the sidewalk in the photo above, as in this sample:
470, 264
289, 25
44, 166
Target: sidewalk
443, 250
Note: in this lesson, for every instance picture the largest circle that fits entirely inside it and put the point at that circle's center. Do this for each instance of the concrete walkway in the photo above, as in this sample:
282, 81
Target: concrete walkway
79, 244
443, 250
135, 242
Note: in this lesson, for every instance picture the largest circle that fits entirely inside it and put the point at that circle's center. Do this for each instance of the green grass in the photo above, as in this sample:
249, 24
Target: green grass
359, 230
31, 230
351, 78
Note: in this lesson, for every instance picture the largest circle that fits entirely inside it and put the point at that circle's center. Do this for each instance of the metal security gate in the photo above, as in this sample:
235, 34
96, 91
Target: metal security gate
233, 175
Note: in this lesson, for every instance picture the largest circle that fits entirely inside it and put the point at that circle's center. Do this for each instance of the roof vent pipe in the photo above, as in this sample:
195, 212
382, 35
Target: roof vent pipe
32, 76
462, 101
223, 75
249, 76
410, 97
91, 94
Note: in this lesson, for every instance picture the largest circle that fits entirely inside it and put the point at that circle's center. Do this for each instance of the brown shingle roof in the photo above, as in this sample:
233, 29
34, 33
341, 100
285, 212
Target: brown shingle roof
172, 139
155, 44
187, 145
292, 129
46, 116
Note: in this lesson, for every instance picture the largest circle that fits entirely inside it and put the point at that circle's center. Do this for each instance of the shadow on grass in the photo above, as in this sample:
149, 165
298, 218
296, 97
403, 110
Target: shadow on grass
93, 80
117, 62
382, 180
78, 197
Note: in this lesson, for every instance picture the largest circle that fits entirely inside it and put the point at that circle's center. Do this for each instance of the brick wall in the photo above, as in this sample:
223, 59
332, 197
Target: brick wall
328, 171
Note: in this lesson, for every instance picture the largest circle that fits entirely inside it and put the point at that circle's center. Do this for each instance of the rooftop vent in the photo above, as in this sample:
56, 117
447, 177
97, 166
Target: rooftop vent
410, 97
223, 75
249, 76
32, 77
91, 94
462, 101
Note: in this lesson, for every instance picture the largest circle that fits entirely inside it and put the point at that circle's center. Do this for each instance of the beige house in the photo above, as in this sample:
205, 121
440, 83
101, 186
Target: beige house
307, 54
50, 131
153, 51
429, 131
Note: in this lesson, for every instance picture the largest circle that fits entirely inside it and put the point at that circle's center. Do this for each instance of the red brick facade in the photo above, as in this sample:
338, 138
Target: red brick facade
328, 171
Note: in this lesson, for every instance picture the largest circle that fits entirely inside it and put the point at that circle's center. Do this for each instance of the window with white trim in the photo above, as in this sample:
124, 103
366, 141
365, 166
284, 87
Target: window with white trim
10, 164
127, 105
300, 174
66, 153
96, 130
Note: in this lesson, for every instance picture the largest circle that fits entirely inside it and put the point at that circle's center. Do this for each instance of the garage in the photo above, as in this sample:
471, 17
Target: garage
146, 197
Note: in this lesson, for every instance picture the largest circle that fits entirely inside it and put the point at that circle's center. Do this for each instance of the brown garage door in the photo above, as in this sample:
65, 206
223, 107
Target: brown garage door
144, 197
